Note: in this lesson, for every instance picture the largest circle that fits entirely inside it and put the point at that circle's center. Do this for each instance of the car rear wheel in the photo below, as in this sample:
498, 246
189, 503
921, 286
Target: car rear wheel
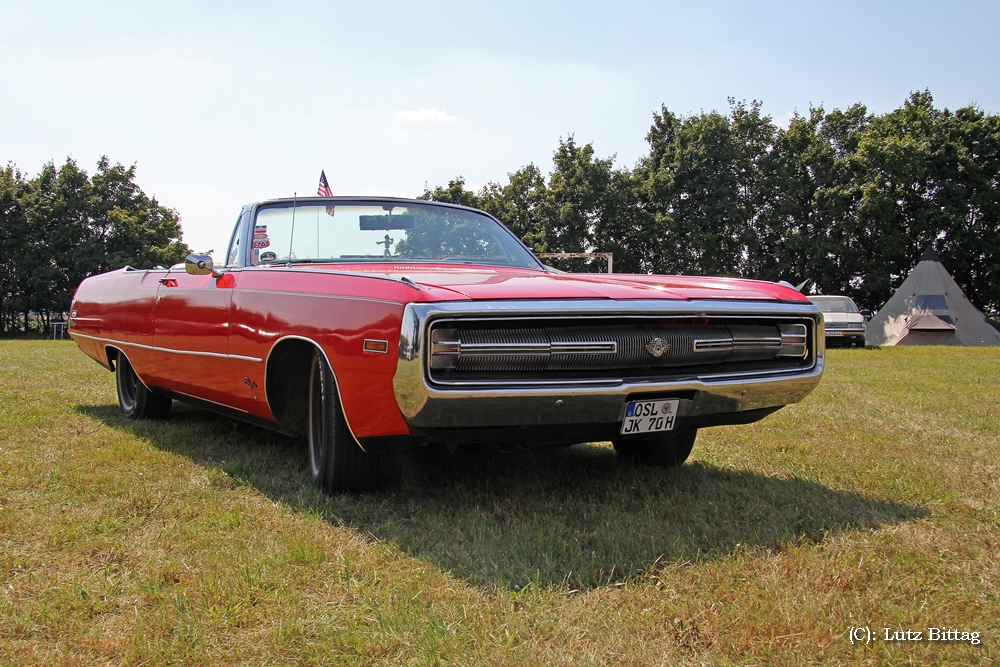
671, 449
336, 461
135, 400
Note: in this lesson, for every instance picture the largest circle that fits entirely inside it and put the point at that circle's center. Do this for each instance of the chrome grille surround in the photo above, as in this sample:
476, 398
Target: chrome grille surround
484, 345
455, 370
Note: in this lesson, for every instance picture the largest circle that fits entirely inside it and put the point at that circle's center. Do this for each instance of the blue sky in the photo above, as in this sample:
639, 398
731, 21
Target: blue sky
223, 103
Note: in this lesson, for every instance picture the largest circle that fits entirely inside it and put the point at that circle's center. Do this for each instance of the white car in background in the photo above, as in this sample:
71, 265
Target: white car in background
845, 325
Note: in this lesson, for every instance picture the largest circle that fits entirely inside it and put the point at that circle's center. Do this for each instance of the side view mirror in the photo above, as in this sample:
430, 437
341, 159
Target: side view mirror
200, 265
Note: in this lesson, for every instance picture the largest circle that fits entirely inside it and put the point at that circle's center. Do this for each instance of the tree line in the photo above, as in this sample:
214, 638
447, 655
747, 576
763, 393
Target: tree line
845, 199
62, 225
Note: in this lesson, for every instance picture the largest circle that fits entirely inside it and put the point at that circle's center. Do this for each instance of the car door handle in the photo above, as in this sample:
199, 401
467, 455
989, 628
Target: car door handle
168, 282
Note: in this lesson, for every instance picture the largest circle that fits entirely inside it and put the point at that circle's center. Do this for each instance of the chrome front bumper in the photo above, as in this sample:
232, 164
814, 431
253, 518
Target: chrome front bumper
427, 406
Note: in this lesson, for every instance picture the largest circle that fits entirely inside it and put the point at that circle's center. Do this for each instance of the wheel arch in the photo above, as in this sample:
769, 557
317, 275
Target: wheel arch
112, 352
286, 387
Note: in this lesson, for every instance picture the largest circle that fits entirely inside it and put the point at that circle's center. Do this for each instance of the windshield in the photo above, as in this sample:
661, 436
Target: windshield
834, 304
377, 232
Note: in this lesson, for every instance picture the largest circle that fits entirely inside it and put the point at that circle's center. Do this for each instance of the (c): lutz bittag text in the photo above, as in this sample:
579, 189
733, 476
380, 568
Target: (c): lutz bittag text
864, 635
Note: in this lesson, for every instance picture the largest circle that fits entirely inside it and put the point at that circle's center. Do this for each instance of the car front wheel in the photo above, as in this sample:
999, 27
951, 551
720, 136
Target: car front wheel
670, 449
135, 400
336, 461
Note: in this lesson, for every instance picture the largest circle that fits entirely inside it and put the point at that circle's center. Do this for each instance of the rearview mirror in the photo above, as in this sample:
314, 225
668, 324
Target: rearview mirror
200, 265
386, 222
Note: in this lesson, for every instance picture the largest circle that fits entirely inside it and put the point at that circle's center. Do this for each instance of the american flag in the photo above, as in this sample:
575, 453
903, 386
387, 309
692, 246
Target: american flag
324, 187
324, 190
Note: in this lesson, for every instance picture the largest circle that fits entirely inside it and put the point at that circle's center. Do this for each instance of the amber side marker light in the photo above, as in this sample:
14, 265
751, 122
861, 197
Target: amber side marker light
380, 346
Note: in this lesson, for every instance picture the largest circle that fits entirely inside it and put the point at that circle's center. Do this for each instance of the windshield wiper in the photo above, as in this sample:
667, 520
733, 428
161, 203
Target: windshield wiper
464, 260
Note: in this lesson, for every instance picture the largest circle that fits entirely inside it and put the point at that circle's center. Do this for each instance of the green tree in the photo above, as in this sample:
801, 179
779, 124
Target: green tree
584, 207
453, 193
928, 177
816, 234
965, 171
576, 197
14, 241
845, 199
57, 202
129, 227
518, 204
62, 226
708, 183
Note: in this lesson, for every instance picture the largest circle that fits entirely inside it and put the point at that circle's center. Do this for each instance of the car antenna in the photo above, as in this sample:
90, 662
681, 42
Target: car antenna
292, 235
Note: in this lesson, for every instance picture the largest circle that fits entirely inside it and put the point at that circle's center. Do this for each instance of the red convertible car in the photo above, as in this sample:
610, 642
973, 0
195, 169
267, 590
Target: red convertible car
372, 324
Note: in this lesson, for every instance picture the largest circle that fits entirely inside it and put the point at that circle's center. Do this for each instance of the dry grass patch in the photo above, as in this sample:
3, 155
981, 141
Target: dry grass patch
198, 540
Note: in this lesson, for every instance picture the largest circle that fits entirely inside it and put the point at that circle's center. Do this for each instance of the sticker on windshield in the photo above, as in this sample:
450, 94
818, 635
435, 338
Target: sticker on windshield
268, 257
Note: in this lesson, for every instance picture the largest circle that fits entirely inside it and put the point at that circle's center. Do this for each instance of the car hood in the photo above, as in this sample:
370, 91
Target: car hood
842, 318
501, 283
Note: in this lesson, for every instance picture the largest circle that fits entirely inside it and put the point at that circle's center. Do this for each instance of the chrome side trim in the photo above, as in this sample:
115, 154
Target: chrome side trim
793, 341
318, 295
154, 348
459, 348
714, 345
535, 308
737, 344
205, 400
409, 281
614, 381
284, 268
503, 349
757, 343
590, 347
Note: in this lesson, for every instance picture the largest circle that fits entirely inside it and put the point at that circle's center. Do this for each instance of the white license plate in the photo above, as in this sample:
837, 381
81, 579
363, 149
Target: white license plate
834, 333
650, 416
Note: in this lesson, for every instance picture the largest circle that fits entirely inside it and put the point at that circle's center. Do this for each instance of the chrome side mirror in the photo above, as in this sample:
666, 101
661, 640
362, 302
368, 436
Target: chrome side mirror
200, 265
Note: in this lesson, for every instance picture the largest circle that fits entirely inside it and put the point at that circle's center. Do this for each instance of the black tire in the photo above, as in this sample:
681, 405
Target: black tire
670, 449
336, 461
135, 400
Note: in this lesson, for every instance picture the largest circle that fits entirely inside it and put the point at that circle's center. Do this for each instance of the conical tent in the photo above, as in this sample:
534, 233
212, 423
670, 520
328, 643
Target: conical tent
929, 308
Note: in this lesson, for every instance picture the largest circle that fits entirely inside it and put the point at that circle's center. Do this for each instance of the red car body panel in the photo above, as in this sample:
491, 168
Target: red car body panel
211, 337
270, 305
192, 314
335, 306
120, 305
495, 283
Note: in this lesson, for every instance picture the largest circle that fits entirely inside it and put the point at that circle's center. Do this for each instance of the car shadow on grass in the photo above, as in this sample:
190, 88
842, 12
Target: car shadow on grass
578, 517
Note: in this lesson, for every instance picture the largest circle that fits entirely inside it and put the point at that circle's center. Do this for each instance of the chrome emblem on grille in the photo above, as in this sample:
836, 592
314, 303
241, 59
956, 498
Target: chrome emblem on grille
657, 347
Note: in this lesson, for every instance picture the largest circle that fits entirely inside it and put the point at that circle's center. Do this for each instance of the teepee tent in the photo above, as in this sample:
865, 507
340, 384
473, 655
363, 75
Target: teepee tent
929, 308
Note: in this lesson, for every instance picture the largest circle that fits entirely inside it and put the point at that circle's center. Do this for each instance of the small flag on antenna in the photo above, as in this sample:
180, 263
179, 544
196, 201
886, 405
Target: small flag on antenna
324, 191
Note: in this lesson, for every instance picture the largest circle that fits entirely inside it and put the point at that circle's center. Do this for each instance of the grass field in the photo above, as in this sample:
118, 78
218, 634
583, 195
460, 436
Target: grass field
873, 504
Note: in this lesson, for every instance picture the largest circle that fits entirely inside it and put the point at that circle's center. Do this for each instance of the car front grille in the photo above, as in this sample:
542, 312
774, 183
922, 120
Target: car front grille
546, 350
